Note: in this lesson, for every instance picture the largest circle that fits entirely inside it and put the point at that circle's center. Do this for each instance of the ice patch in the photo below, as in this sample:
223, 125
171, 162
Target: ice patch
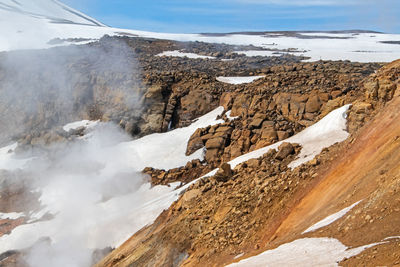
330, 219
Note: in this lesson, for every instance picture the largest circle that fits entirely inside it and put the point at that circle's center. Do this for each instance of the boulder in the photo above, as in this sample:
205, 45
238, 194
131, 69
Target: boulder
240, 105
154, 92
224, 172
361, 107
262, 143
332, 105
195, 104
305, 123
211, 155
236, 151
299, 98
253, 163
284, 150
336, 93
269, 134
195, 143
191, 194
256, 123
324, 97
224, 129
226, 100
313, 104
282, 135
215, 143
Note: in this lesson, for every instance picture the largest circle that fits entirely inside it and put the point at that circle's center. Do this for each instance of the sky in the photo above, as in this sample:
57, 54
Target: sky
196, 16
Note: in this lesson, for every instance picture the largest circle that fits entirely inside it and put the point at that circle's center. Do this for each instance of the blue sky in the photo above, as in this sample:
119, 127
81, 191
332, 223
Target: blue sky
187, 16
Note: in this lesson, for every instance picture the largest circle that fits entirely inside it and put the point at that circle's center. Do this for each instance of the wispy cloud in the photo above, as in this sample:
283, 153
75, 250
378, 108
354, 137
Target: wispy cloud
300, 2
244, 15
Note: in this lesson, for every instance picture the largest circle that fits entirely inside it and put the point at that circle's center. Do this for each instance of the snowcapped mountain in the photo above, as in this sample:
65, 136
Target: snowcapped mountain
44, 23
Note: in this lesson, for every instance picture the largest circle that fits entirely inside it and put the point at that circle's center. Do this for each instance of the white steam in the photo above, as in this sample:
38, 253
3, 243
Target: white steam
92, 197
90, 194
46, 88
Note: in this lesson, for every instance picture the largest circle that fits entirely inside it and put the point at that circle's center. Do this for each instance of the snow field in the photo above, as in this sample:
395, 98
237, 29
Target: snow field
30, 26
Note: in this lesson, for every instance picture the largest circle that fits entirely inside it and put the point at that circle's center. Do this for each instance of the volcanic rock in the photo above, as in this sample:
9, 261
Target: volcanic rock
284, 150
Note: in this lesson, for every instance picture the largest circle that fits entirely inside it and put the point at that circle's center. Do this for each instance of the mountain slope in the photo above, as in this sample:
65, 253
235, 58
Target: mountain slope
259, 209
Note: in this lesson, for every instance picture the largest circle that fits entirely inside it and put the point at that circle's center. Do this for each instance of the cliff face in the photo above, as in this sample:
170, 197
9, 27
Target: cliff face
263, 204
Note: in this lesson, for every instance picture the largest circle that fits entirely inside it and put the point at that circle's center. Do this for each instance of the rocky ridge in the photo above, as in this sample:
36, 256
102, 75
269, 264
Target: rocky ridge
258, 202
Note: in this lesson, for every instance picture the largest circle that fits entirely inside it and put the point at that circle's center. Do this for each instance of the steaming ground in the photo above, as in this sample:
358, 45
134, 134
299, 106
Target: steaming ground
92, 194
42, 89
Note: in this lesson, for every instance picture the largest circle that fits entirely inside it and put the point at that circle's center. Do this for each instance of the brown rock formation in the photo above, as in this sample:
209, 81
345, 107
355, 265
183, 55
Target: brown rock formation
265, 204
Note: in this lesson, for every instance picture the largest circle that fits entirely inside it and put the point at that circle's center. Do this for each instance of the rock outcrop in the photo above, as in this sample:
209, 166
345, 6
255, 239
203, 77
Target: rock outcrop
263, 204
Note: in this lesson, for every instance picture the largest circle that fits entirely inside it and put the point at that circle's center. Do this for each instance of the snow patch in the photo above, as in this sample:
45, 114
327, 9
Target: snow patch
177, 53
391, 237
328, 131
238, 80
304, 252
77, 124
228, 115
238, 256
11, 215
167, 150
260, 53
8, 160
330, 219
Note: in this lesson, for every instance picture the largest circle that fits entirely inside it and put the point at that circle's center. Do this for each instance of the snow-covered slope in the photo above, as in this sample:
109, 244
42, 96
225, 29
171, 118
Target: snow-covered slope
31, 24
51, 10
